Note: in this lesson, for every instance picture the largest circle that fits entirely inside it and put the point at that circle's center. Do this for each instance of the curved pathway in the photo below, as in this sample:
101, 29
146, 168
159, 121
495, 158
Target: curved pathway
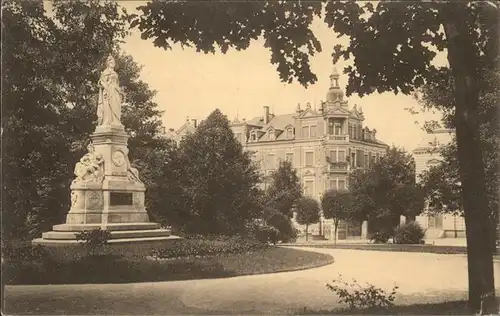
422, 277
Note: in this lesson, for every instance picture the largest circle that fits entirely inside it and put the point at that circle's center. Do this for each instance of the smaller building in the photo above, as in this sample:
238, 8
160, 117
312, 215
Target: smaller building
427, 155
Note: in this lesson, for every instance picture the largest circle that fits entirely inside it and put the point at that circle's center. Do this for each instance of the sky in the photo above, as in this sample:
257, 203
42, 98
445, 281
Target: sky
191, 84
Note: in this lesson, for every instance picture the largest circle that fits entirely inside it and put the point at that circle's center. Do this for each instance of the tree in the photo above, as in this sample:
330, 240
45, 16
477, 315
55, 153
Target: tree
283, 224
337, 205
393, 45
307, 212
218, 179
51, 66
387, 190
442, 182
285, 188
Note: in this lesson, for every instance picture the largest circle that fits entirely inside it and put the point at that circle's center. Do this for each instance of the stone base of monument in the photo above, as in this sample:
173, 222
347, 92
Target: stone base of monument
121, 233
108, 195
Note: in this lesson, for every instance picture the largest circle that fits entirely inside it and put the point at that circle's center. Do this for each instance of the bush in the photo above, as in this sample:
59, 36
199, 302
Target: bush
356, 297
284, 226
409, 233
380, 236
203, 246
93, 240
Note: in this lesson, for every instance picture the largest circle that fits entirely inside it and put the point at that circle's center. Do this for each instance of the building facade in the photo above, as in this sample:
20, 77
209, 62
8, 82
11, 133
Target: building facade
427, 155
324, 145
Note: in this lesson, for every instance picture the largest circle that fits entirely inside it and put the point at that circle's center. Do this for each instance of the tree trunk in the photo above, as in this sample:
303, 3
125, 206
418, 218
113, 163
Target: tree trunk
335, 226
307, 227
462, 57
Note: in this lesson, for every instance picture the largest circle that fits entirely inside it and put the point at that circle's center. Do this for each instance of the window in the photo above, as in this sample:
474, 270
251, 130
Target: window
289, 133
271, 162
333, 184
238, 137
309, 159
377, 159
333, 155
309, 188
314, 130
305, 131
253, 137
271, 135
338, 129
341, 155
289, 157
341, 184
330, 128
366, 161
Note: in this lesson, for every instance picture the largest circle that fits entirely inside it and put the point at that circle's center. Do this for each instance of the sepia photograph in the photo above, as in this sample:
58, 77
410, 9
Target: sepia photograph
250, 157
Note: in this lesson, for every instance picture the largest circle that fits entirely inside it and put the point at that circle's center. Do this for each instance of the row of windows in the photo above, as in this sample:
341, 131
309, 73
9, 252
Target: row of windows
332, 184
334, 155
334, 128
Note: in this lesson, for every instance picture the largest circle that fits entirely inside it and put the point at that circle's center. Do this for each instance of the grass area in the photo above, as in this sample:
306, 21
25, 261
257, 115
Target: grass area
445, 308
390, 247
117, 269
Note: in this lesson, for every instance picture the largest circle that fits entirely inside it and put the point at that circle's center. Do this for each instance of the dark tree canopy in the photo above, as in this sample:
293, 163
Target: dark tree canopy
51, 66
307, 211
284, 26
285, 188
387, 189
218, 179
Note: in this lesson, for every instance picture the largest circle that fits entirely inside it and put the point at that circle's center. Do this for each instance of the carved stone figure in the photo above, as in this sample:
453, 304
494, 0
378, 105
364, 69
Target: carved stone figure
133, 174
74, 198
110, 96
90, 167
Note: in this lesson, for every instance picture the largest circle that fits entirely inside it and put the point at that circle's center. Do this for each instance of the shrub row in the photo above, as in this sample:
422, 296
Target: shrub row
408, 233
207, 246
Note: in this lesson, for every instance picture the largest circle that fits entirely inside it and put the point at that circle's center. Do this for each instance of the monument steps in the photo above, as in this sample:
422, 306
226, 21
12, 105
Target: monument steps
66, 242
108, 226
114, 234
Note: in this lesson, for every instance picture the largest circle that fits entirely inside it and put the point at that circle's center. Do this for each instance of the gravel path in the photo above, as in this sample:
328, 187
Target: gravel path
422, 278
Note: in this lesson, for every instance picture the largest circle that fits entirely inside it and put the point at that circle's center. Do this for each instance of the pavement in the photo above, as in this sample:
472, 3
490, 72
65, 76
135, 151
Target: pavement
421, 277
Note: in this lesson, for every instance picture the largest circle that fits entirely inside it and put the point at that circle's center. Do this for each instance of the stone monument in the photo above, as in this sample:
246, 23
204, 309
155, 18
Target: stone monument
107, 192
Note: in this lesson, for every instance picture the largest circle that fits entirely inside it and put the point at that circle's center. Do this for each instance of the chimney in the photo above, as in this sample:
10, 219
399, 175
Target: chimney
194, 122
266, 114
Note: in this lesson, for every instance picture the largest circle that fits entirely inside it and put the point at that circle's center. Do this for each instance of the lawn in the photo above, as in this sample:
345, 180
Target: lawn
117, 269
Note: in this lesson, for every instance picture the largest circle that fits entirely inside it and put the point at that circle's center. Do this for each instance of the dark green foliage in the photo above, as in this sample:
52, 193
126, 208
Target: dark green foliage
409, 233
338, 205
285, 188
50, 72
387, 190
218, 180
381, 235
285, 27
93, 240
307, 212
282, 223
369, 298
207, 246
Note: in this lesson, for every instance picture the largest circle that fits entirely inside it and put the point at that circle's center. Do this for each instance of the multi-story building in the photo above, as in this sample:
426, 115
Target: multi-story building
427, 155
324, 145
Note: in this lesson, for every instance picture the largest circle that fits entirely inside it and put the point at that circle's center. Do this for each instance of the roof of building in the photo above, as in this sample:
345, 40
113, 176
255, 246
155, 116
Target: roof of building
435, 138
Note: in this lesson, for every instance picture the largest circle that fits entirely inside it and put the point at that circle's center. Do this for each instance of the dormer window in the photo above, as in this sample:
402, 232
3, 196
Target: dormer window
253, 137
289, 133
271, 135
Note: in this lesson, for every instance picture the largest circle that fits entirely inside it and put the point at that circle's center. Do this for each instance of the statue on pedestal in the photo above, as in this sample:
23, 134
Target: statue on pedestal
91, 167
109, 106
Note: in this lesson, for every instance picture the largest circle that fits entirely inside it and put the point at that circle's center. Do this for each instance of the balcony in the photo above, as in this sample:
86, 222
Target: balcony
338, 167
337, 137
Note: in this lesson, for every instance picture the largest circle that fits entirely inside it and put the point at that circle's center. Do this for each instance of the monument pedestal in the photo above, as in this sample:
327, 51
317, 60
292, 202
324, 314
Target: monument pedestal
107, 194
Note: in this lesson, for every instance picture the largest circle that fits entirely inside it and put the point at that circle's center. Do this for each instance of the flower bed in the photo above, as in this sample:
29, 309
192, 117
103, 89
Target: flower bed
203, 247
